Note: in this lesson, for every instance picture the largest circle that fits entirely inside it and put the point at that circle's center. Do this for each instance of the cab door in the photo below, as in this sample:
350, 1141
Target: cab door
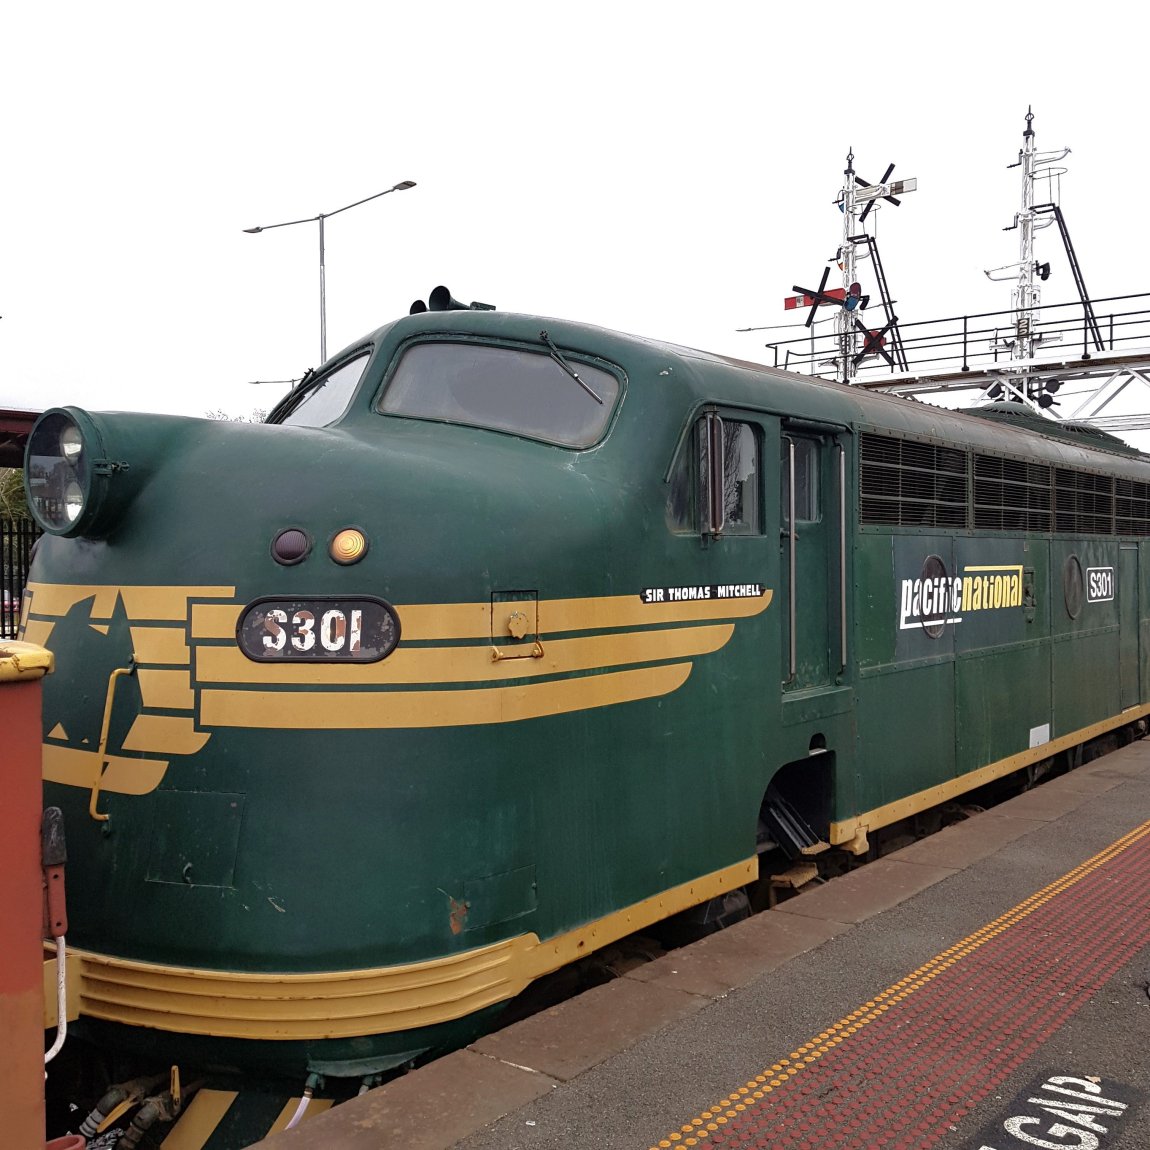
813, 560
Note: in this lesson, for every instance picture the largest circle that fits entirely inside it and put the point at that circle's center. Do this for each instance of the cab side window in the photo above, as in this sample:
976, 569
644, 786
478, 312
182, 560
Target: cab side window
806, 456
714, 488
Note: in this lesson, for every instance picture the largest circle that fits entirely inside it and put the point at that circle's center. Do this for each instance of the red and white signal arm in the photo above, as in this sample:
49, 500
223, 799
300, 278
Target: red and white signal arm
836, 295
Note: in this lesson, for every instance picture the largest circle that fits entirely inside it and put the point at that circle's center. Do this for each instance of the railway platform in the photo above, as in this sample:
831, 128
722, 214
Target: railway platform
981, 989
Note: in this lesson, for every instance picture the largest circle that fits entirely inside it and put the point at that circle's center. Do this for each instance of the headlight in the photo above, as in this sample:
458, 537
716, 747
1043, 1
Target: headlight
71, 442
73, 501
65, 472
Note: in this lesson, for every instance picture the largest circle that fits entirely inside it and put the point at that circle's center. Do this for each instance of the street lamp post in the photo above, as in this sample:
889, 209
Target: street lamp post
400, 187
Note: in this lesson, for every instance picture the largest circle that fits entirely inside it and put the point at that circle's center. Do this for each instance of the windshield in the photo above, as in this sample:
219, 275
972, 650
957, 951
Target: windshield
325, 400
506, 389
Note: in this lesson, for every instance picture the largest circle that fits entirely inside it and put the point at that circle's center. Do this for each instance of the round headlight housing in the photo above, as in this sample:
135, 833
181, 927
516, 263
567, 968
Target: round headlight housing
65, 471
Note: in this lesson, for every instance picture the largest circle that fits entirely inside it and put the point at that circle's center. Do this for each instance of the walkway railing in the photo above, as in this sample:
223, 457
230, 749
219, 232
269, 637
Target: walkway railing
970, 342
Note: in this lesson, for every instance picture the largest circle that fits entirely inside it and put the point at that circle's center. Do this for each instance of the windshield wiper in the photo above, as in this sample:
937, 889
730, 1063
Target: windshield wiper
291, 401
557, 356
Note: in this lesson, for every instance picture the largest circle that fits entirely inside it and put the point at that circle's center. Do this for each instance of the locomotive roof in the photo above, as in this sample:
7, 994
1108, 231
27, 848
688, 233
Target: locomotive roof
711, 377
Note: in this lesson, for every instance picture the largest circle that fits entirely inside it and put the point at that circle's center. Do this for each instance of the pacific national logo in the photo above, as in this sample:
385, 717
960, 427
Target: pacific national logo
934, 600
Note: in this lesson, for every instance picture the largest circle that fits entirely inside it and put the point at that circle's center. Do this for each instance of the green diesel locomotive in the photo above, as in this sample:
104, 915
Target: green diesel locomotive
504, 638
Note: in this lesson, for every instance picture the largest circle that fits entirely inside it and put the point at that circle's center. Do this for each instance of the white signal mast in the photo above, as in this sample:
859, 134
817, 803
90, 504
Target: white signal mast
844, 327
856, 200
1026, 296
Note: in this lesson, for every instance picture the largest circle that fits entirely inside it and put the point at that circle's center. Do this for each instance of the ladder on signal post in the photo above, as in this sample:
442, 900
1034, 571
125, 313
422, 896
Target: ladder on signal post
884, 295
1075, 271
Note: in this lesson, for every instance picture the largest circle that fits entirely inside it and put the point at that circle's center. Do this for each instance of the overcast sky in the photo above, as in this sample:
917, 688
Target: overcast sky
661, 168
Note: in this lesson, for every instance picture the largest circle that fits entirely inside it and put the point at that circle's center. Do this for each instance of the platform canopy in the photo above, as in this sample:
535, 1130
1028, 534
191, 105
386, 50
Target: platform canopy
14, 429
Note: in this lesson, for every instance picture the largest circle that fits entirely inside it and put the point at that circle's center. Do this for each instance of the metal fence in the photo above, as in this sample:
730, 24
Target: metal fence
16, 539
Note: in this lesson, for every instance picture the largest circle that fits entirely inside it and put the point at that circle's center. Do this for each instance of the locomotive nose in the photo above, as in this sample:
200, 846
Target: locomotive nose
82, 470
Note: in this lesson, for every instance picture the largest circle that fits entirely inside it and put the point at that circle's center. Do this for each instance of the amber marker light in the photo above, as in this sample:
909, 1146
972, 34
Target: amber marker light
348, 546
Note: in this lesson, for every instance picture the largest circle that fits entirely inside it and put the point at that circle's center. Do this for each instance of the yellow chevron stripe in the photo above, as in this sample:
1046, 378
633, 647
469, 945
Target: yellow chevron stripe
215, 620
37, 631
380, 1000
156, 603
198, 1123
165, 645
167, 690
435, 665
852, 832
77, 768
167, 734
378, 710
421, 621
454, 621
